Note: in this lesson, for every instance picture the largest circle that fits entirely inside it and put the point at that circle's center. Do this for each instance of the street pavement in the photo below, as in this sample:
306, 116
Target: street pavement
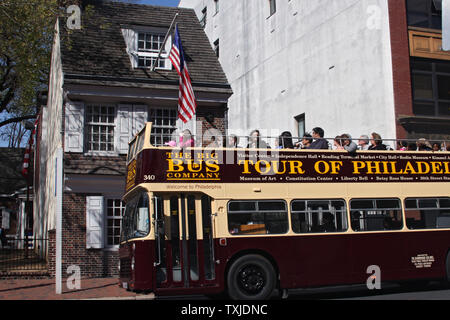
99, 289
108, 289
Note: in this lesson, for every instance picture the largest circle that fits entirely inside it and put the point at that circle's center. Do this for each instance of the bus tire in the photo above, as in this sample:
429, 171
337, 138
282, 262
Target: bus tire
251, 277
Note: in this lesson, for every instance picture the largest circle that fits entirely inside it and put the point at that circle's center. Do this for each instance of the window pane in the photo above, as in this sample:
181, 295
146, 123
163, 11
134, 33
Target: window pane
422, 86
421, 65
424, 108
361, 204
242, 206
410, 204
444, 203
388, 204
298, 205
444, 109
428, 203
444, 87
272, 206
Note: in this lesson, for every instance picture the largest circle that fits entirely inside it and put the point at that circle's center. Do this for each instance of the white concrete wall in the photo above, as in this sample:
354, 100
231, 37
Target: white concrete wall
329, 59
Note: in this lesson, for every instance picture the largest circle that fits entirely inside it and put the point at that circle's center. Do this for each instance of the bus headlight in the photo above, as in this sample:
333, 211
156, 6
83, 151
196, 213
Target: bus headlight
132, 263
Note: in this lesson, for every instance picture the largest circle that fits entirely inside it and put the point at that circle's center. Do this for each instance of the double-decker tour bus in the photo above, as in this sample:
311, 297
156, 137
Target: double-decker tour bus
251, 221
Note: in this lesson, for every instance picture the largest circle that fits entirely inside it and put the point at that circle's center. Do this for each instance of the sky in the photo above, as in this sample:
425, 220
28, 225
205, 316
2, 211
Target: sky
166, 3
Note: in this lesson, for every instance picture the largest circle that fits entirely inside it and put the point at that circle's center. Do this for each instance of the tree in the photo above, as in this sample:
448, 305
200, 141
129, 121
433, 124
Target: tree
26, 33
26, 37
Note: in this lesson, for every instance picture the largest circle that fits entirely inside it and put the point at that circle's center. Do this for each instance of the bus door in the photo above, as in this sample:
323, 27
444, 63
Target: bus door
184, 251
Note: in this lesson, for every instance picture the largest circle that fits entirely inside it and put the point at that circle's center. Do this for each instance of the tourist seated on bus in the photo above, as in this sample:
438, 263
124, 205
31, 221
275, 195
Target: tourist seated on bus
186, 139
232, 141
436, 146
447, 146
402, 145
255, 141
305, 142
337, 143
363, 142
423, 145
285, 141
376, 143
319, 142
412, 146
348, 144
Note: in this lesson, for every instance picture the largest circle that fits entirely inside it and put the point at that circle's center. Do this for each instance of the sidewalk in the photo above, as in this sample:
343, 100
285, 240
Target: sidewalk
104, 289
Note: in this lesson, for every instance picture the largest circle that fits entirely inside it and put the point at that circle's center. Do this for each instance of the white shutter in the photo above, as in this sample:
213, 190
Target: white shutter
140, 117
124, 125
446, 25
130, 37
94, 222
74, 127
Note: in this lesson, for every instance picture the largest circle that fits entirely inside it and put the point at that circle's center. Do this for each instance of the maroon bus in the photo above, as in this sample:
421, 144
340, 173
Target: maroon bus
251, 221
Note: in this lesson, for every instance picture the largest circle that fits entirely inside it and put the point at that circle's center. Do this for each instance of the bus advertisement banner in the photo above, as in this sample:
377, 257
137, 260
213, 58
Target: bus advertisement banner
275, 166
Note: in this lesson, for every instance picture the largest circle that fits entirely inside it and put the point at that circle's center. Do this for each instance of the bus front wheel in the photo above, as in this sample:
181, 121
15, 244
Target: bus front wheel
251, 277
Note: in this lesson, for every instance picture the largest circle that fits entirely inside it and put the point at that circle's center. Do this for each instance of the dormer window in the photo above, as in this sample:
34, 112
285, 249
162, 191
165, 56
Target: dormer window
143, 47
149, 45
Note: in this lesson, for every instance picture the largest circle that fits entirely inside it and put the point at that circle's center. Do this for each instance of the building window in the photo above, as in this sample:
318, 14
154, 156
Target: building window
149, 45
164, 124
301, 128
216, 47
424, 13
273, 6
115, 210
203, 19
216, 6
431, 87
100, 127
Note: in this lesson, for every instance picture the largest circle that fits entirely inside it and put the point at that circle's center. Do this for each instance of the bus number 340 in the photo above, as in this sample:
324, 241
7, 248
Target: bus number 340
149, 177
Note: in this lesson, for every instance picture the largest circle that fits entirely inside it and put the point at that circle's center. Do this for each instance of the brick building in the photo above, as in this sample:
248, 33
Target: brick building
355, 66
101, 92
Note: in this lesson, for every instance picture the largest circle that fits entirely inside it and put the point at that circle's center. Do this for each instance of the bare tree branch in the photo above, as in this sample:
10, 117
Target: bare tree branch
17, 119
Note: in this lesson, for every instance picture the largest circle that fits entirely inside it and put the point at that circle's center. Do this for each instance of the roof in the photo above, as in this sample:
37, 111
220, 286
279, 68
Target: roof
97, 52
11, 178
98, 165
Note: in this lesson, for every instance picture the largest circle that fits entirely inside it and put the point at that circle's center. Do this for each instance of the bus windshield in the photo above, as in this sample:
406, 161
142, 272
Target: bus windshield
136, 218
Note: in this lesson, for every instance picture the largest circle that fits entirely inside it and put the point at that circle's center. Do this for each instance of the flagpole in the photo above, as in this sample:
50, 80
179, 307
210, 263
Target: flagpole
164, 43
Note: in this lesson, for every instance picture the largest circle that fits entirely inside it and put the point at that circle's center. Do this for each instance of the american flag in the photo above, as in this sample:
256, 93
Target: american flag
186, 99
26, 157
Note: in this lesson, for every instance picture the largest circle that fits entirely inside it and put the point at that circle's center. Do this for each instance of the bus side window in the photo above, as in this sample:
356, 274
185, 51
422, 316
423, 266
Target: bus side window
316, 216
376, 214
257, 217
427, 213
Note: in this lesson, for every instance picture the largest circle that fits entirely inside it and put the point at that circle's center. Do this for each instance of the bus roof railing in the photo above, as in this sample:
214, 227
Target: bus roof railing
168, 140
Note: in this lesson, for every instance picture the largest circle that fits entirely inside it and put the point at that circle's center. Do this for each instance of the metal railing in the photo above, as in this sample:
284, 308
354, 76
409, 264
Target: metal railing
274, 142
22, 254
